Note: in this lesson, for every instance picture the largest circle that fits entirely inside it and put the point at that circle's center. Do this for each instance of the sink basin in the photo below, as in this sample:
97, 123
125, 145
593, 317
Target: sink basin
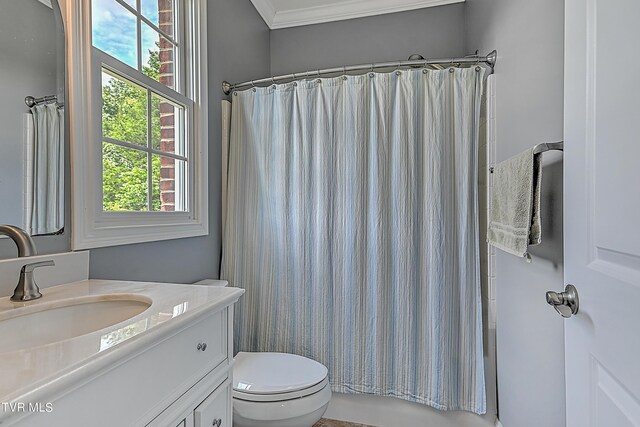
45, 323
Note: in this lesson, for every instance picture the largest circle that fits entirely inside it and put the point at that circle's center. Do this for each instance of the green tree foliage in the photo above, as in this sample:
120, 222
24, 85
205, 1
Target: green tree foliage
124, 118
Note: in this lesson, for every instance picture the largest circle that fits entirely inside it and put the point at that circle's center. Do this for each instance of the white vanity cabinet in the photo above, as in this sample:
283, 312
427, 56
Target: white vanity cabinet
177, 373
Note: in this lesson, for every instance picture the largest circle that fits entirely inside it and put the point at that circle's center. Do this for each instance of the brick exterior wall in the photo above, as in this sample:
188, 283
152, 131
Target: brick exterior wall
167, 116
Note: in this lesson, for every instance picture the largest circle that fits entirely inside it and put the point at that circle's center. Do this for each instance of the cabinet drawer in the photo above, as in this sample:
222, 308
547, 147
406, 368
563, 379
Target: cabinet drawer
181, 361
196, 351
215, 410
166, 371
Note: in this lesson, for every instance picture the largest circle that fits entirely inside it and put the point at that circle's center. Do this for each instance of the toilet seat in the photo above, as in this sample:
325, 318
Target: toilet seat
278, 397
270, 377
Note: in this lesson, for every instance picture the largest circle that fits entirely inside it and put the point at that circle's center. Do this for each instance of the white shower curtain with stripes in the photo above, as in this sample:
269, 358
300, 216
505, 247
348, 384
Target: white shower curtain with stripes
352, 223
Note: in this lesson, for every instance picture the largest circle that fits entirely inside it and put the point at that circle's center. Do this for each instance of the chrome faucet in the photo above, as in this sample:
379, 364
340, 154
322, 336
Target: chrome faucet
27, 288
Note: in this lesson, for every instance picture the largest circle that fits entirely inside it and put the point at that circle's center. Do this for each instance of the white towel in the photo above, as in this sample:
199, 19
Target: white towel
514, 215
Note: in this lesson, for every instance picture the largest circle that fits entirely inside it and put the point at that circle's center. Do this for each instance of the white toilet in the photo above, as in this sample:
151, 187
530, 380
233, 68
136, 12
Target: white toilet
277, 389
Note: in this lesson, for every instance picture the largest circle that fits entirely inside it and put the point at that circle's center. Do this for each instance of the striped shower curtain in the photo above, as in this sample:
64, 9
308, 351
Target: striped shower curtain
352, 223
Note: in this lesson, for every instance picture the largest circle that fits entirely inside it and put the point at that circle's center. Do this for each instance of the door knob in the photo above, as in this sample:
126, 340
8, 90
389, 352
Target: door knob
566, 303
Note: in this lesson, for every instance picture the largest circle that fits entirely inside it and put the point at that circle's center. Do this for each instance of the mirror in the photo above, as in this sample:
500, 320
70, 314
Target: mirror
32, 142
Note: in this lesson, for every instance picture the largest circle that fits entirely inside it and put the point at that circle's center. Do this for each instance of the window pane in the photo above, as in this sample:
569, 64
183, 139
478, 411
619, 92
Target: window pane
169, 184
161, 13
158, 55
167, 131
114, 31
124, 110
124, 179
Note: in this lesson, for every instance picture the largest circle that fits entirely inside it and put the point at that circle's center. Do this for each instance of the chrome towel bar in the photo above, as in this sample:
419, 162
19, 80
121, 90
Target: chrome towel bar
547, 146
543, 147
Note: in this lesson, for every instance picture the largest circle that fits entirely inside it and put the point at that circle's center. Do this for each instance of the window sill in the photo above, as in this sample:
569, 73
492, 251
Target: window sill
115, 235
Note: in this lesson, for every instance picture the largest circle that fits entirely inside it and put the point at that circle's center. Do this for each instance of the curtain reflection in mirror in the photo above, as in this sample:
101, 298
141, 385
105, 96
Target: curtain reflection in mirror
44, 169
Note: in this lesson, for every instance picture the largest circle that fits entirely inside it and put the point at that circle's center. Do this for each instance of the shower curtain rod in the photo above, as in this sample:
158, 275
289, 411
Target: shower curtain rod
31, 101
415, 61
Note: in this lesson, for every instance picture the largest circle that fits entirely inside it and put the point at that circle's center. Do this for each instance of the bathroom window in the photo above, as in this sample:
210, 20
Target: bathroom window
145, 155
146, 172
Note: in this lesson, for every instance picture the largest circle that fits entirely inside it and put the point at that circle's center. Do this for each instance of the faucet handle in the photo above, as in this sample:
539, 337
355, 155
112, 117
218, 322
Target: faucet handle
27, 288
28, 268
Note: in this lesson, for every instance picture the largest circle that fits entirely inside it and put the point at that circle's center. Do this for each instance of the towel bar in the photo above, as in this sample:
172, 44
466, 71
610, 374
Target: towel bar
542, 147
547, 146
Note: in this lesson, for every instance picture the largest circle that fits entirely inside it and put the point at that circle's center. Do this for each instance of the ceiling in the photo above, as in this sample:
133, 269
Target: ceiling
293, 13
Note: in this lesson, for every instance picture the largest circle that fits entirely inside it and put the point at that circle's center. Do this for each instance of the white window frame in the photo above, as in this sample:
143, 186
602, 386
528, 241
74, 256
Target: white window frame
91, 227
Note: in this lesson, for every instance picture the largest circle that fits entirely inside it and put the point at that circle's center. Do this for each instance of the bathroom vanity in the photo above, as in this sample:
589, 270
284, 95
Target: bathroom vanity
114, 353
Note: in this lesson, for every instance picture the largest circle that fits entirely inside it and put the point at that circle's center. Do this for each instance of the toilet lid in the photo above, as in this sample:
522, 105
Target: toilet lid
275, 373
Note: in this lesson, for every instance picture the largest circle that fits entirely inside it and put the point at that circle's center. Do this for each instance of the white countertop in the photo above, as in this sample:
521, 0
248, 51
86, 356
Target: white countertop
44, 372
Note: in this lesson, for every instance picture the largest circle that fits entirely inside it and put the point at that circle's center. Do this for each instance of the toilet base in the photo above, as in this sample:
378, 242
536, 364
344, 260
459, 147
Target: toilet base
304, 421
301, 412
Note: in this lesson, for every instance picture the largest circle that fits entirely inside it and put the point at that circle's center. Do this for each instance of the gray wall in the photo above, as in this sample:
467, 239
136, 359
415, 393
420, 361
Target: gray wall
29, 62
434, 32
238, 49
529, 84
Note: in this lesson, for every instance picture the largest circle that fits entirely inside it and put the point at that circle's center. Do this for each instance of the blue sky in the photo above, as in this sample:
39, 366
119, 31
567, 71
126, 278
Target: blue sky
114, 29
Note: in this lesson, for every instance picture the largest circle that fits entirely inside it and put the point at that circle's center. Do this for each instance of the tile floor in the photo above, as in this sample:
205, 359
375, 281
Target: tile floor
324, 422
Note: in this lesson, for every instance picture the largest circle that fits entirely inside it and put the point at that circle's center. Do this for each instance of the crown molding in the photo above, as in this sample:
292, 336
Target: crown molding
266, 10
350, 9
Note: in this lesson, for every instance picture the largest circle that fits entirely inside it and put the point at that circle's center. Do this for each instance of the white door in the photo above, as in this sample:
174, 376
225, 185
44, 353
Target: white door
602, 211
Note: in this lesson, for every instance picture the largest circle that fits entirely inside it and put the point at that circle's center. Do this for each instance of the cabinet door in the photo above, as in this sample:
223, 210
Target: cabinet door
187, 422
215, 410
